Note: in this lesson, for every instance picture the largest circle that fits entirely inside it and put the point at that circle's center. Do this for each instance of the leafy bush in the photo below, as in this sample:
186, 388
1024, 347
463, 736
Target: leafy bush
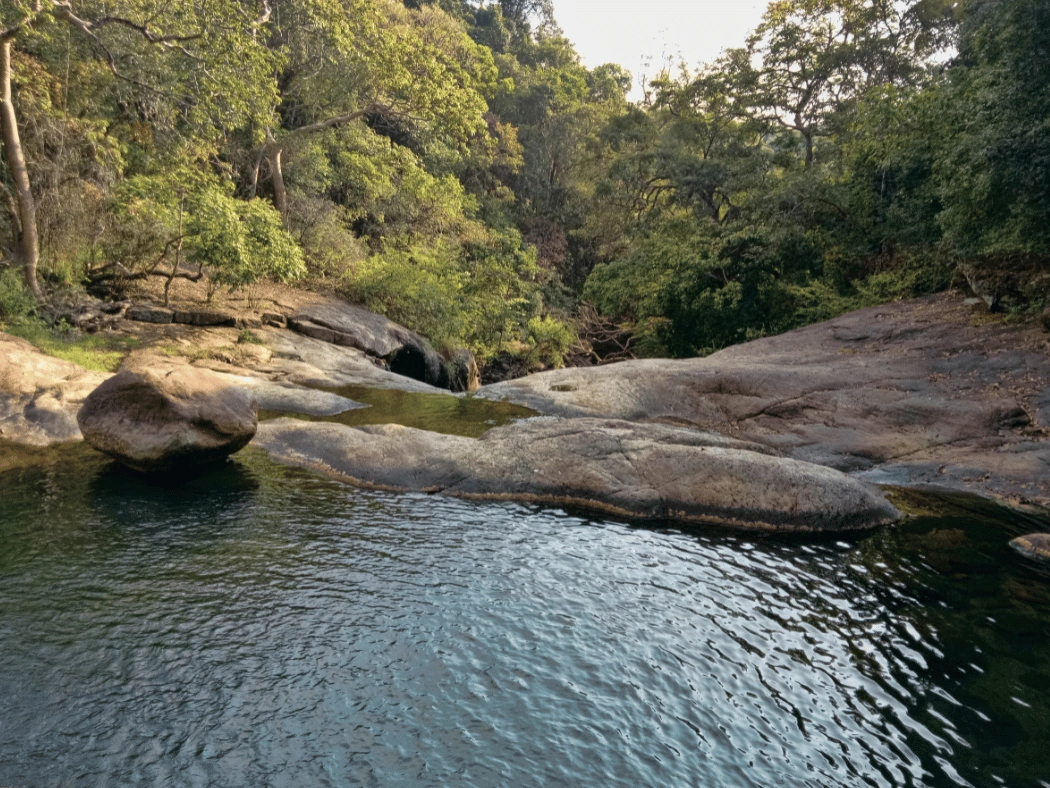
240, 242
549, 340
479, 294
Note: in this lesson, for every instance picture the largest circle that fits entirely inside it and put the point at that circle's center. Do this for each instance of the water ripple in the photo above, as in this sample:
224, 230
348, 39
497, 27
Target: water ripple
265, 627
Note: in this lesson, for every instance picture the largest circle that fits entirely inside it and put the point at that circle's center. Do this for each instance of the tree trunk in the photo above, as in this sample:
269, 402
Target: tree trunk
28, 241
807, 136
253, 183
280, 194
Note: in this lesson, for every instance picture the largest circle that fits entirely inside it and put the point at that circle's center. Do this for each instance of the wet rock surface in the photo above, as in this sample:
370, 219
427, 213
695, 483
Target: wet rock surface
921, 392
635, 470
1033, 546
168, 419
40, 395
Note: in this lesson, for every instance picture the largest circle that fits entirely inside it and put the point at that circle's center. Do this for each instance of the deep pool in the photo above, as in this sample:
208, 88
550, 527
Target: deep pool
262, 626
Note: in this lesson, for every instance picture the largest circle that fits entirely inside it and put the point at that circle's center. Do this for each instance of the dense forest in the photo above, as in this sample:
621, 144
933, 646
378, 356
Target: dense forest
457, 168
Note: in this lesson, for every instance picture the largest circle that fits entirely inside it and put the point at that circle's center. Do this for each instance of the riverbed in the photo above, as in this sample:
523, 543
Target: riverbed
263, 626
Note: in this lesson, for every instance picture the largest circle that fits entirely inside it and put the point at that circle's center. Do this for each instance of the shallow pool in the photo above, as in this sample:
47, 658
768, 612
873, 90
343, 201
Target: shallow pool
262, 626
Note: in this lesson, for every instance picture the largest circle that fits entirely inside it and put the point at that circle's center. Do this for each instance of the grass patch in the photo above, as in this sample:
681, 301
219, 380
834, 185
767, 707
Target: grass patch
97, 352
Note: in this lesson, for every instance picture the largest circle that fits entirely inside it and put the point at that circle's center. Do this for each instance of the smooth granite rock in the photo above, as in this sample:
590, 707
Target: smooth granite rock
168, 420
633, 470
40, 395
405, 352
920, 392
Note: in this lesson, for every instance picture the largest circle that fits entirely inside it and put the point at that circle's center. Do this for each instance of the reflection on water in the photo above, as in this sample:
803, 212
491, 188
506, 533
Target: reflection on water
263, 626
464, 415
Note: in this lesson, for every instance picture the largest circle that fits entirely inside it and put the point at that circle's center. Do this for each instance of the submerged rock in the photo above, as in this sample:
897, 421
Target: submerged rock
168, 420
1034, 546
634, 470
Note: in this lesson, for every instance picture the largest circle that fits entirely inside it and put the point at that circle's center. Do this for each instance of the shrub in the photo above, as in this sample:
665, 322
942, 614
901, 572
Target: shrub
16, 302
549, 340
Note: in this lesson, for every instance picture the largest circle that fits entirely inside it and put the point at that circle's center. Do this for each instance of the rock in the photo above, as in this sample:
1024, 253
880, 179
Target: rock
40, 395
1034, 546
248, 322
419, 362
168, 420
274, 319
149, 314
635, 470
406, 352
353, 326
297, 358
909, 393
115, 307
203, 317
289, 398
461, 372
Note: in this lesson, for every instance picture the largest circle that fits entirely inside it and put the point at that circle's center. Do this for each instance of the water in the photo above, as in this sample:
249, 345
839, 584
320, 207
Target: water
464, 415
263, 626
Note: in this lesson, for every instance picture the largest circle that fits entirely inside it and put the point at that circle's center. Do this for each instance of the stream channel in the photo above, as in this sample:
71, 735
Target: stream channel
264, 626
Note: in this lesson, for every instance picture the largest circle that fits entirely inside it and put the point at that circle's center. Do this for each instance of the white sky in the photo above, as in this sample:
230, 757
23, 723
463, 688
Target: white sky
641, 35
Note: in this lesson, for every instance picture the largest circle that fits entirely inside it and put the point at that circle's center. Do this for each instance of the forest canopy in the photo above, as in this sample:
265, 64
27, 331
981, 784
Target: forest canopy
455, 166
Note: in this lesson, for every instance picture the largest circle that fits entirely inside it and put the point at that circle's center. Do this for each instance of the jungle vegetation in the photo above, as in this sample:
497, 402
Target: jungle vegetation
455, 166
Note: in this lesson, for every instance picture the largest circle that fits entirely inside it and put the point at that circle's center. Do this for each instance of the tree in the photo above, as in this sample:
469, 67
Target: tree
994, 167
810, 58
212, 39
351, 60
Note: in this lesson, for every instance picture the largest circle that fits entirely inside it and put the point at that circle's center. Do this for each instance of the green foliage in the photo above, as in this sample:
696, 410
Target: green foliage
549, 340
477, 295
240, 242
458, 168
16, 302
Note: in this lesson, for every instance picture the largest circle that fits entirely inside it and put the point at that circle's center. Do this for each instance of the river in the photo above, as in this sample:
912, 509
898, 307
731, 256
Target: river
264, 626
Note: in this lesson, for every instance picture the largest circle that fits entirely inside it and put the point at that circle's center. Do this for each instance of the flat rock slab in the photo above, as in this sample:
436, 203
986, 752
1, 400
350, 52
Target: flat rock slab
927, 391
404, 351
632, 470
168, 419
204, 317
40, 395
150, 314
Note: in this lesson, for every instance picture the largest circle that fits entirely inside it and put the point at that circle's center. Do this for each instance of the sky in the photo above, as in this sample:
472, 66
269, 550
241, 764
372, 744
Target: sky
641, 35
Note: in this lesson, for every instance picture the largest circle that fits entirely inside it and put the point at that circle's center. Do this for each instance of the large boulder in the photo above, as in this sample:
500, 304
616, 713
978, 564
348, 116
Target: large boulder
633, 470
167, 420
40, 394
